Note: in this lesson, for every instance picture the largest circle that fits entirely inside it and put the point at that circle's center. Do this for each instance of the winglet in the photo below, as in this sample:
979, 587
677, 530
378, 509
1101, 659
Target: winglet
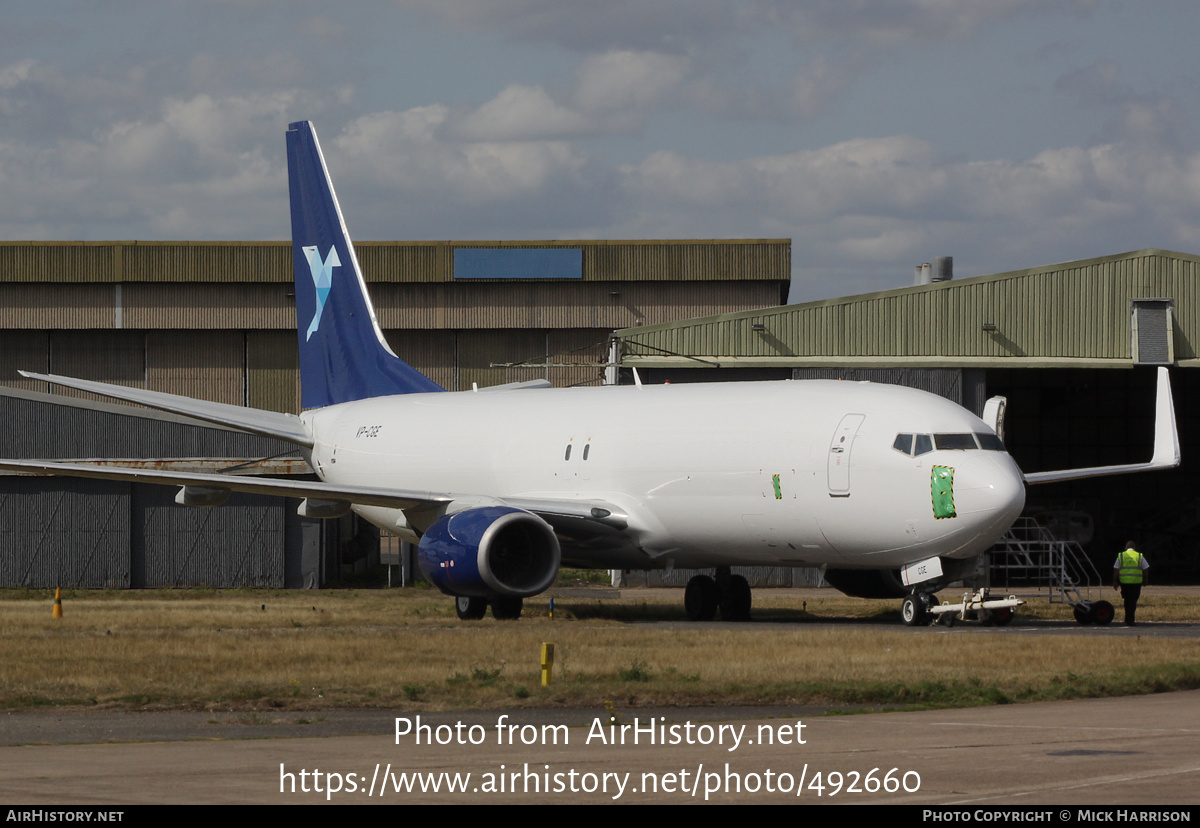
1166, 431
1166, 443
343, 355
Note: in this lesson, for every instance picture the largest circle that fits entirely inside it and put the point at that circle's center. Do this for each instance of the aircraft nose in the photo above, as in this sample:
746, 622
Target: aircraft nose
993, 492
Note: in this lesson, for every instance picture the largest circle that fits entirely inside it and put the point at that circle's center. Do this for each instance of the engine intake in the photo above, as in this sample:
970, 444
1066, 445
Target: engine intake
490, 551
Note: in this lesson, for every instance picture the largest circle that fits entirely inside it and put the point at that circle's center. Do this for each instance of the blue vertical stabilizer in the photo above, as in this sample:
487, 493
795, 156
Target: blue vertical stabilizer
343, 355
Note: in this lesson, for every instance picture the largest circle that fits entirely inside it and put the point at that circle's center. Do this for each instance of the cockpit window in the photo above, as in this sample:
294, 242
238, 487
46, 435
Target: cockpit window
961, 442
989, 442
918, 444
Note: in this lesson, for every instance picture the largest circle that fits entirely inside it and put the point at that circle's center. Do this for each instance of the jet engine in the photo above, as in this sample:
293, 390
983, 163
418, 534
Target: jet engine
490, 551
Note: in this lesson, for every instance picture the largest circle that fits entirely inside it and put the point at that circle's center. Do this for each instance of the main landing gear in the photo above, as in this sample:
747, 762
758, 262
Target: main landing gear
727, 592
472, 608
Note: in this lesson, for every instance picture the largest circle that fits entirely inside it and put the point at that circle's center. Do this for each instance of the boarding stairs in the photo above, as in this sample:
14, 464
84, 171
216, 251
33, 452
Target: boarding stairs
1029, 561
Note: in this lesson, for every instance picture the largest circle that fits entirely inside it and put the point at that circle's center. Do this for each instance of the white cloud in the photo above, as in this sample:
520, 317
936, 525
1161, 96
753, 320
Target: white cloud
200, 167
898, 200
625, 80
410, 150
184, 141
15, 73
612, 93
520, 113
684, 25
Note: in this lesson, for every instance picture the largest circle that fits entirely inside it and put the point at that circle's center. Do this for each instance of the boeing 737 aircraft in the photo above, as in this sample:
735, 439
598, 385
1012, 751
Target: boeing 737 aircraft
499, 486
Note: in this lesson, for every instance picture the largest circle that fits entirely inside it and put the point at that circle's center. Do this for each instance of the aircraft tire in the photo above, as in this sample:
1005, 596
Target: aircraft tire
913, 611
1083, 614
506, 608
1102, 613
735, 599
701, 598
470, 608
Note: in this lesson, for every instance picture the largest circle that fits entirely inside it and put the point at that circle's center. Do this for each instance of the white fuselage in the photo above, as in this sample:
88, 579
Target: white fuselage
757, 473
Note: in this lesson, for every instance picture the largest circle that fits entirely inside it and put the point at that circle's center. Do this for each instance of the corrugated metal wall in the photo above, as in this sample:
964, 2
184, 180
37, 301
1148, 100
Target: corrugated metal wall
583, 347
1077, 310
208, 306
203, 262
93, 534
433, 353
35, 428
59, 261
608, 305
210, 366
239, 544
27, 351
273, 370
964, 386
195, 262
216, 320
64, 533
673, 261
109, 356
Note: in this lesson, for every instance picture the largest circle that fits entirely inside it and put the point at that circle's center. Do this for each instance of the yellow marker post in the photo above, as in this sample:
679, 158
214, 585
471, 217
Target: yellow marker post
547, 662
57, 613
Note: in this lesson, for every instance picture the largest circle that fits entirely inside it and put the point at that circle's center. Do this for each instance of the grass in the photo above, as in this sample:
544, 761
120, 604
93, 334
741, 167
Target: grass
249, 651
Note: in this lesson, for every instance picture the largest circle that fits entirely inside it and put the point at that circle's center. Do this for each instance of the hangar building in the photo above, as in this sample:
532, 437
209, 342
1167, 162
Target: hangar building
217, 321
1071, 346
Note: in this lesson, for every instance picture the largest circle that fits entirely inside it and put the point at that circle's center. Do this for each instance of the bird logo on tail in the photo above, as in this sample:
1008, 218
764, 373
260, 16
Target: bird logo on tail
322, 276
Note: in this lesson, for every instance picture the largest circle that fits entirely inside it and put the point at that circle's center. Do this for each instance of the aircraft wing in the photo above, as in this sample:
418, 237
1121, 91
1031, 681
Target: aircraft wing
1166, 444
566, 513
256, 421
572, 518
366, 495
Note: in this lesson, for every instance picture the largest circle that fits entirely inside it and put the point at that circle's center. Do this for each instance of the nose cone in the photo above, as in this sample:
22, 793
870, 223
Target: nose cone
991, 496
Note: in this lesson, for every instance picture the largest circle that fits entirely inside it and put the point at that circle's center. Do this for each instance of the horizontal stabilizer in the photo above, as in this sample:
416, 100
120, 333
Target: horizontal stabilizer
253, 420
1166, 444
519, 386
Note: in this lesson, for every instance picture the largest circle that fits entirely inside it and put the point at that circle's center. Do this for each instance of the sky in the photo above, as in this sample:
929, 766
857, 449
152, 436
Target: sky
876, 134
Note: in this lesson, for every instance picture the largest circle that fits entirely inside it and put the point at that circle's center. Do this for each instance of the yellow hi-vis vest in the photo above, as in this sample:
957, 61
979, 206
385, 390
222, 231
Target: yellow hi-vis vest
1130, 571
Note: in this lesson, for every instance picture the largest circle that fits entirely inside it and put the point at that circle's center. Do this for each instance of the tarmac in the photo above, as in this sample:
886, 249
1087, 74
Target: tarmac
1139, 752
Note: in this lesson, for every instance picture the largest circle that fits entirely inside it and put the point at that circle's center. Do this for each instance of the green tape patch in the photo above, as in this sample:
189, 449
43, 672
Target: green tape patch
775, 483
942, 487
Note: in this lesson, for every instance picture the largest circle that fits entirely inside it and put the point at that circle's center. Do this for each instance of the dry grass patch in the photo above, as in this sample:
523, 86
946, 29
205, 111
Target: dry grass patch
314, 650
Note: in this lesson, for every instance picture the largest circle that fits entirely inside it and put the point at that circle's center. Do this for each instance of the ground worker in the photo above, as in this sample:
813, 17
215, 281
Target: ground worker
1129, 575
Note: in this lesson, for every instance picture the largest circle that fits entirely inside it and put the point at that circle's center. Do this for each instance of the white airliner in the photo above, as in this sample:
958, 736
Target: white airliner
499, 486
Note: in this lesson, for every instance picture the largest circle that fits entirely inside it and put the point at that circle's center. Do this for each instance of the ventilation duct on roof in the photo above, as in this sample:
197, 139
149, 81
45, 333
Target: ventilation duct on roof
942, 270
1152, 331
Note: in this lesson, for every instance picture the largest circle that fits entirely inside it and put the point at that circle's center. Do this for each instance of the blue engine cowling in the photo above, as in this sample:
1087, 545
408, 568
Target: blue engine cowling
490, 551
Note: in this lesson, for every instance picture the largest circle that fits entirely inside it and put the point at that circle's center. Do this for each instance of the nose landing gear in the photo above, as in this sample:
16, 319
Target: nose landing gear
915, 609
